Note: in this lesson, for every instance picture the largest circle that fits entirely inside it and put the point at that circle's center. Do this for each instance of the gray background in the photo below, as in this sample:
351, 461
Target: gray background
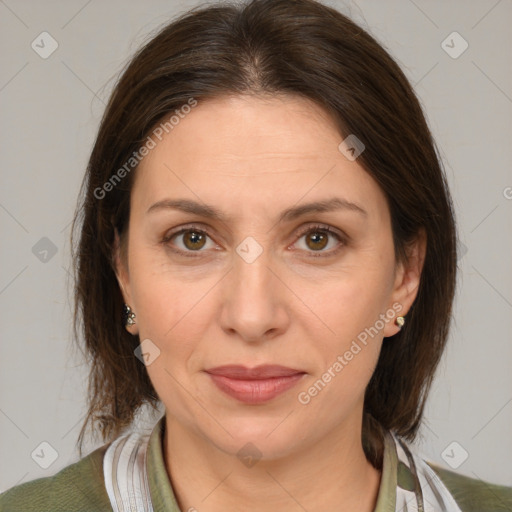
50, 112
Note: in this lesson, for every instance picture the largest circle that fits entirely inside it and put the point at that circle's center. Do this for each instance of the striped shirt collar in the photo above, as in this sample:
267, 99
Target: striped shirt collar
136, 478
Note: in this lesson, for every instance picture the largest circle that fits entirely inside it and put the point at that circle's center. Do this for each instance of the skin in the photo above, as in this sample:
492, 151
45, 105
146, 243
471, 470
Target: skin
253, 157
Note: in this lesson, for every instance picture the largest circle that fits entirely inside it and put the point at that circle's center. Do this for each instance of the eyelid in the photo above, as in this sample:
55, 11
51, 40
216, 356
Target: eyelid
184, 229
342, 238
321, 227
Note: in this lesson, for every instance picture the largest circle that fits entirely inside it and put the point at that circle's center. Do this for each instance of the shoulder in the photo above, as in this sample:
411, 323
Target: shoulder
75, 488
474, 495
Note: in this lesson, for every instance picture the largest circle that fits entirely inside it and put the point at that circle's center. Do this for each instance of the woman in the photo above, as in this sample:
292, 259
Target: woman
267, 248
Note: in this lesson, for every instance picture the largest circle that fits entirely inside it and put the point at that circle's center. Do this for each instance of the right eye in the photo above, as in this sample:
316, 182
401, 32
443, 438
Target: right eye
188, 240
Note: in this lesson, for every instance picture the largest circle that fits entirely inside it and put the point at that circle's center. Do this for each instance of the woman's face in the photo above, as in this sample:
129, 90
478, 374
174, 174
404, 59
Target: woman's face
263, 282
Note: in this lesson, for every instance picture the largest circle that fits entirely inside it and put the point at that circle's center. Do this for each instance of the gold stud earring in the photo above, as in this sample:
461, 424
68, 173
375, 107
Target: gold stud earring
400, 321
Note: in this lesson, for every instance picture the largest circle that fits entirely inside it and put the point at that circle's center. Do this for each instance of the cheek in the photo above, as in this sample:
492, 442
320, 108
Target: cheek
350, 302
160, 299
174, 315
168, 311
346, 357
174, 308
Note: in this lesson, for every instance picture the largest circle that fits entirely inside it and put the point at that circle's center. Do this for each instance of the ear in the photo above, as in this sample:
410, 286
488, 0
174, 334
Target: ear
123, 278
407, 280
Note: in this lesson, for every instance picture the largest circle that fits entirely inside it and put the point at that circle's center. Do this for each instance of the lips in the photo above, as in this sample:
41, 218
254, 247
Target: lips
259, 372
254, 385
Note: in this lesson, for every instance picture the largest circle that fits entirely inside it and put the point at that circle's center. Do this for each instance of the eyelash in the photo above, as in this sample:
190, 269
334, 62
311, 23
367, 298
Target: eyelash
310, 229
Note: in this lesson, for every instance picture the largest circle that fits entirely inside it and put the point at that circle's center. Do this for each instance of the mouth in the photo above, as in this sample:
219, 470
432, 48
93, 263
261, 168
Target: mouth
254, 385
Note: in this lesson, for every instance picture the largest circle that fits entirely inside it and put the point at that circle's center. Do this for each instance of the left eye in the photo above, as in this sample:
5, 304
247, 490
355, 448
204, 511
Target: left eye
318, 238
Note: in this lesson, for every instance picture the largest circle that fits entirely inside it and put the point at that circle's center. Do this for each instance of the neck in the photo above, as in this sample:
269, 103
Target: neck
331, 474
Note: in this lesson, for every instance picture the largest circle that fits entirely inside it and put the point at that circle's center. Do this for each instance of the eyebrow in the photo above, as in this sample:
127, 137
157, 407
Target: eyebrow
205, 210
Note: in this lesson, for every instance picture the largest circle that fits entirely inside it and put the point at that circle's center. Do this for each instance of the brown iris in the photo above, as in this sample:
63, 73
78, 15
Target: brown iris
318, 239
194, 240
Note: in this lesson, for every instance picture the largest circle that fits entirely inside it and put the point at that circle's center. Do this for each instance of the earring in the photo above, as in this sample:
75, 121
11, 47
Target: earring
400, 321
129, 316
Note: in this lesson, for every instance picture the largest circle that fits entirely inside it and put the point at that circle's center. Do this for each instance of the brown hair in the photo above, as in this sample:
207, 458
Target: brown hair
298, 47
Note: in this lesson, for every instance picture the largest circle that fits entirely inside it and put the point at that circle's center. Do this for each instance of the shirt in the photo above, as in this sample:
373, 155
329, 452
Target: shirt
133, 464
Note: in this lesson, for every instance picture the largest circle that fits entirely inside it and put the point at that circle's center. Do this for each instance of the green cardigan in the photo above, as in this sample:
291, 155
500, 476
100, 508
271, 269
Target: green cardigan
80, 486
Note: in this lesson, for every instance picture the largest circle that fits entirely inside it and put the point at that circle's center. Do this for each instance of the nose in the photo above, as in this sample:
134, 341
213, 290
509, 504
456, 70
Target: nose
254, 301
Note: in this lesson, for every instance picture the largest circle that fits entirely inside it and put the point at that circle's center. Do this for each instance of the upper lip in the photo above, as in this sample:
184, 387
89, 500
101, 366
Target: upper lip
240, 372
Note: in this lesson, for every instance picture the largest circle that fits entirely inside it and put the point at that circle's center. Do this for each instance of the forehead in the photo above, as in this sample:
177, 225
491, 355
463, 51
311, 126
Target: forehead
252, 152
250, 128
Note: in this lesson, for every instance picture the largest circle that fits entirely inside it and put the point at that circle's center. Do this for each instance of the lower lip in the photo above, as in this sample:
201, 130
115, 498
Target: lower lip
255, 391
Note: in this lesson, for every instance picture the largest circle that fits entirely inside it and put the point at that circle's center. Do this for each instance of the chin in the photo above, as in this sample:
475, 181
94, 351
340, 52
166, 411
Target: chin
257, 438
